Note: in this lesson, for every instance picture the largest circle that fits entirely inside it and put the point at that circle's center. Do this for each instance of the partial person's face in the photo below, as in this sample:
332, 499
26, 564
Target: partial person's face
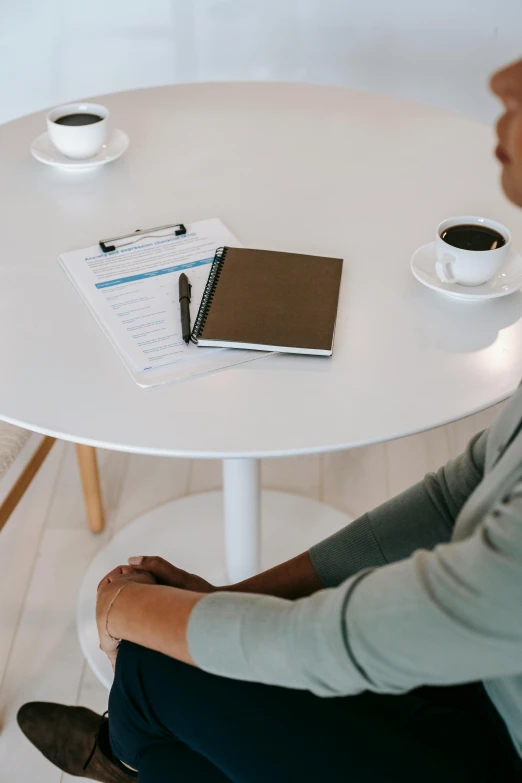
507, 85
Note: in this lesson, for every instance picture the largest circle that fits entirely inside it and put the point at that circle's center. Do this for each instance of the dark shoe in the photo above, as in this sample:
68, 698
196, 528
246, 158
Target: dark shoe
68, 737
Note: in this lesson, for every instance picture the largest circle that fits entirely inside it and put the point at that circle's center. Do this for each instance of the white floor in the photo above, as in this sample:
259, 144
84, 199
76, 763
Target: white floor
45, 549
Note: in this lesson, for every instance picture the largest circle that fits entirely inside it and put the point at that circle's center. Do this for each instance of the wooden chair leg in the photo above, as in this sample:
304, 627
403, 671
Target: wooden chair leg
91, 487
25, 478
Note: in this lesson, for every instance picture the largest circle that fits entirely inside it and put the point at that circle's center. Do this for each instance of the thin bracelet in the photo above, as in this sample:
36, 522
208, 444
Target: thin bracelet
108, 612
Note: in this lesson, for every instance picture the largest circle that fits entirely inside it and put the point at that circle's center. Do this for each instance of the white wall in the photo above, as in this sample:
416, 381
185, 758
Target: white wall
440, 51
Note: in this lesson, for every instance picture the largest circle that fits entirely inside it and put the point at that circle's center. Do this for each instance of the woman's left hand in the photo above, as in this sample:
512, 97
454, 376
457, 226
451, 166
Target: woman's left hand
107, 592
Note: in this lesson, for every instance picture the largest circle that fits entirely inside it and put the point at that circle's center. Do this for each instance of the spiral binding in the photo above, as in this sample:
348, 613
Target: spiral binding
208, 293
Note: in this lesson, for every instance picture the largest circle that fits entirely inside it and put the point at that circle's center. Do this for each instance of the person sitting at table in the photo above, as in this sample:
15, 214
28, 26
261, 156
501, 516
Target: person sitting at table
391, 651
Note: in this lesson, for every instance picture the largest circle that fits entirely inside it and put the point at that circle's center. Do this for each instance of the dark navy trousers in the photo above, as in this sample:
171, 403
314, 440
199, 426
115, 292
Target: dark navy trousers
173, 722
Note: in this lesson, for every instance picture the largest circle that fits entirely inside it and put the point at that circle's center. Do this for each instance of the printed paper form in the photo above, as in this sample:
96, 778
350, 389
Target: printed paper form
133, 291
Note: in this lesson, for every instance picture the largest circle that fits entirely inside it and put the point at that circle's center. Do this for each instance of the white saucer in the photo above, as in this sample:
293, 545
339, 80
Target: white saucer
44, 150
507, 281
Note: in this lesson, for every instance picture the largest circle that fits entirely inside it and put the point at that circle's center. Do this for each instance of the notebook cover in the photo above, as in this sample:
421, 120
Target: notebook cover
271, 298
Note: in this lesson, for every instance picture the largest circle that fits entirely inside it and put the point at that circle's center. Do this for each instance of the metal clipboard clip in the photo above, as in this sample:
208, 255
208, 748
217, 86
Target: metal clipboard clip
140, 234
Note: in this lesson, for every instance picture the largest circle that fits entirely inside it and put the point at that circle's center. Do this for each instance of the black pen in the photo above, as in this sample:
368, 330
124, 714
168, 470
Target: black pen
185, 290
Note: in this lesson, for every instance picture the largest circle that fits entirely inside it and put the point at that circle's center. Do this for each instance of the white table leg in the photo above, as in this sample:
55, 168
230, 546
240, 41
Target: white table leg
242, 517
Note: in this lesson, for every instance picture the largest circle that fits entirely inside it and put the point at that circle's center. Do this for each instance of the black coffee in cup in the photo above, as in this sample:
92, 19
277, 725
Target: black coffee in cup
80, 118
473, 237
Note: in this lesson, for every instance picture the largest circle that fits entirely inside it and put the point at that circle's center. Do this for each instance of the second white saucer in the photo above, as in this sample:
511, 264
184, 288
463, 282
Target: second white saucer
507, 281
44, 150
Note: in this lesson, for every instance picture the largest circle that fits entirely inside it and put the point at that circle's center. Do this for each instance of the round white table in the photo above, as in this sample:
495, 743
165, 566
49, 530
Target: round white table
290, 167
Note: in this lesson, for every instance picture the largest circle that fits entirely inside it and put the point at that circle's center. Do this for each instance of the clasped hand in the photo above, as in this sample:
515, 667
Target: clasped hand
143, 570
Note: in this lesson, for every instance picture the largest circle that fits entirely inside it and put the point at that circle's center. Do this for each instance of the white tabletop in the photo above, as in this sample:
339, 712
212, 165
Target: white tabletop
288, 167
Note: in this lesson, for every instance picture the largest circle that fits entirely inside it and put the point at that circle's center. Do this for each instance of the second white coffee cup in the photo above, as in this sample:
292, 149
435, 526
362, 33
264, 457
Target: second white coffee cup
469, 267
78, 141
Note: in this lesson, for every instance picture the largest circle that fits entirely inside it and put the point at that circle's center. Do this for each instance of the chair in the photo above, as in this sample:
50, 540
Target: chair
13, 440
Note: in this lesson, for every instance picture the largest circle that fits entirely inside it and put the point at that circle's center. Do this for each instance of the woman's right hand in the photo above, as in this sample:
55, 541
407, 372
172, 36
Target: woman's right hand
167, 574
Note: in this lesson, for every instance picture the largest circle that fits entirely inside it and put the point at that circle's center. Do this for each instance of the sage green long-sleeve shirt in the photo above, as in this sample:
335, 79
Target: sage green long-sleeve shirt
425, 589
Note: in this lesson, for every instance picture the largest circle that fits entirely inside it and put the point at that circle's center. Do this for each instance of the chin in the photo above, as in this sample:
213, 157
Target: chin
512, 186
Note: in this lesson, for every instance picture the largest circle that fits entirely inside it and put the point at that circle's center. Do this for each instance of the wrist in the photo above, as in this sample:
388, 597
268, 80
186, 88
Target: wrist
296, 578
154, 616
114, 619
111, 604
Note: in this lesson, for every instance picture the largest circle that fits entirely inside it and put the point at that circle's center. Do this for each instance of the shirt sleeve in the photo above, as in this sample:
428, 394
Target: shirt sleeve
419, 518
446, 616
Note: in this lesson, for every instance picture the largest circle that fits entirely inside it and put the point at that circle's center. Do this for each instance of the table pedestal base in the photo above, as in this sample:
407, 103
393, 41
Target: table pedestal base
189, 533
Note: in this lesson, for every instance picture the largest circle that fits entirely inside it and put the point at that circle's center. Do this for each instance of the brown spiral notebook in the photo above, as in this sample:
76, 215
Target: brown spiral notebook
270, 301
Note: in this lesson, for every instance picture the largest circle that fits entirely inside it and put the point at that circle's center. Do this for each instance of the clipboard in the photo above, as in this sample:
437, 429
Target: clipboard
189, 366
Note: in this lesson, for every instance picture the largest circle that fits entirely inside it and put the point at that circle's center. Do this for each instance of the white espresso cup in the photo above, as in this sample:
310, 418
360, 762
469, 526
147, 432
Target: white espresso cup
469, 267
78, 141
